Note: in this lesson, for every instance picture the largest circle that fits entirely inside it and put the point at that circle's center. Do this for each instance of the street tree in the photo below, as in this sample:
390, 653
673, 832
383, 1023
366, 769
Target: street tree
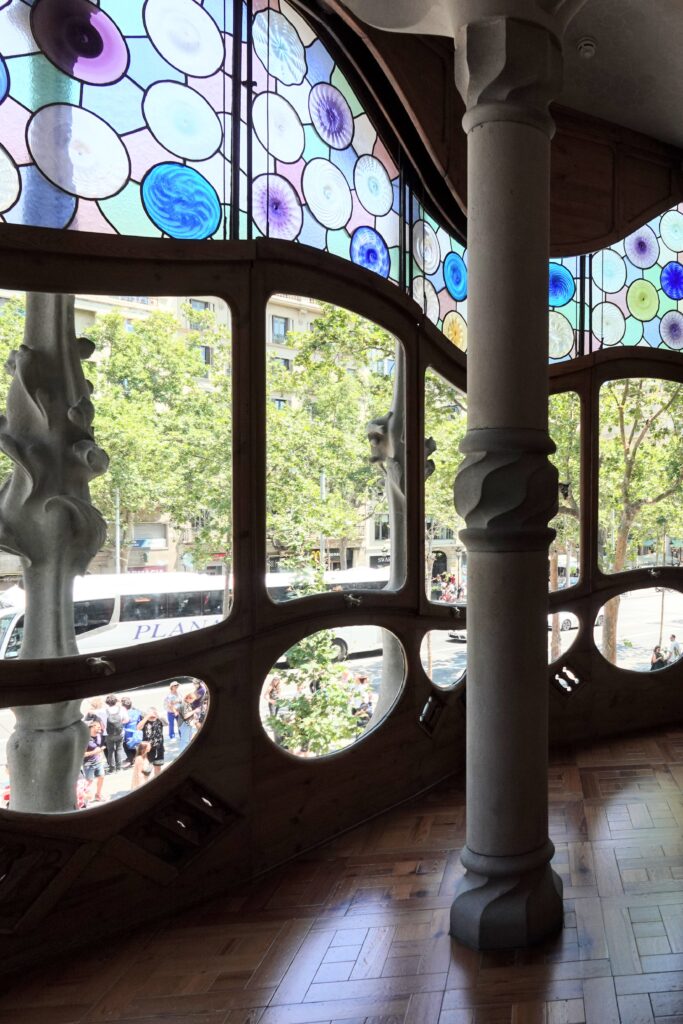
319, 478
564, 424
155, 417
641, 474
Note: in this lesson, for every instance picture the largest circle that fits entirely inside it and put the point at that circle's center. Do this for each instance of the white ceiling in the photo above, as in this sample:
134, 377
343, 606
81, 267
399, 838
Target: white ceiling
636, 76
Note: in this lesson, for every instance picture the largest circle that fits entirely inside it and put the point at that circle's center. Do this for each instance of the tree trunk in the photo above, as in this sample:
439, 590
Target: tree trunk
611, 612
555, 639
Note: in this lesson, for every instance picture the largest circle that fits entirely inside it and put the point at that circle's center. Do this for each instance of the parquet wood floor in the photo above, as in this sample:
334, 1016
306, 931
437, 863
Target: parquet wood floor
357, 931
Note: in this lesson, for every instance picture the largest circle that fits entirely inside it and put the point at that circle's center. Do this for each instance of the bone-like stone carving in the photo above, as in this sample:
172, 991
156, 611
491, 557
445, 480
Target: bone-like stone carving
47, 519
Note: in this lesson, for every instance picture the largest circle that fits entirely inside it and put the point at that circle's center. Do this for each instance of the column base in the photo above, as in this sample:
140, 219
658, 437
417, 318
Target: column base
507, 902
44, 765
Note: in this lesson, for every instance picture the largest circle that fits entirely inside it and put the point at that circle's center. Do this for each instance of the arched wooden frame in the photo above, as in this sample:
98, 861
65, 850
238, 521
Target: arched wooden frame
233, 756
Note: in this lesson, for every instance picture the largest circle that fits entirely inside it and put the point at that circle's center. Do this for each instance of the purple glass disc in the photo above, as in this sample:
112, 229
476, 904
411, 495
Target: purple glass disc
80, 40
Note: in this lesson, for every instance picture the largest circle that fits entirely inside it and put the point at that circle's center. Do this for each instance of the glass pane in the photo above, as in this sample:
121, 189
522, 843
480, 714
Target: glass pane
330, 689
131, 737
641, 483
445, 426
564, 424
641, 630
335, 501
443, 654
163, 417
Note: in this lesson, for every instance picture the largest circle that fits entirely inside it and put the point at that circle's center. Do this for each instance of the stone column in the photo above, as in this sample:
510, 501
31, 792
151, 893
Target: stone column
508, 68
507, 71
46, 517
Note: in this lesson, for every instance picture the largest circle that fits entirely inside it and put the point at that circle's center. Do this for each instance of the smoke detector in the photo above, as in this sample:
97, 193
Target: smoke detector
586, 47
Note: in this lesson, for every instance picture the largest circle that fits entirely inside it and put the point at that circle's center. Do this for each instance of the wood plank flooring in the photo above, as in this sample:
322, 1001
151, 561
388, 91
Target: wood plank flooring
358, 930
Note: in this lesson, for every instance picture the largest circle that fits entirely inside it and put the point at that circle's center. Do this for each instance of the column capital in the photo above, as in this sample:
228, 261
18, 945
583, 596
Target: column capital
506, 489
507, 69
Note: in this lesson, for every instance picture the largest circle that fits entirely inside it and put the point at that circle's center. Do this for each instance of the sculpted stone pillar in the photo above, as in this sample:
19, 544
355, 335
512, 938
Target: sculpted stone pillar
46, 518
386, 435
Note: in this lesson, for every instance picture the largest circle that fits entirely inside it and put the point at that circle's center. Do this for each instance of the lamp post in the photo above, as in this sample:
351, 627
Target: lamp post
458, 563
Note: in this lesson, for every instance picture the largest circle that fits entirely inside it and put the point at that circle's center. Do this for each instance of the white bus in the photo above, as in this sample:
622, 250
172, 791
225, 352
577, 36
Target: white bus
114, 611
285, 586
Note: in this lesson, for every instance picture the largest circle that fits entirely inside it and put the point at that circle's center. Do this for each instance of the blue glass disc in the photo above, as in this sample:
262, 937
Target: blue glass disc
672, 280
4, 80
180, 201
455, 276
369, 250
561, 286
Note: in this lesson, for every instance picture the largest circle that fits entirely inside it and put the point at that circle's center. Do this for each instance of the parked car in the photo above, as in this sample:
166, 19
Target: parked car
567, 621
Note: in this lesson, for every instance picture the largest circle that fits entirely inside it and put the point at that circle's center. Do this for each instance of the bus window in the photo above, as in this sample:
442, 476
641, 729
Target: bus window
5, 623
182, 605
213, 602
15, 640
92, 614
135, 607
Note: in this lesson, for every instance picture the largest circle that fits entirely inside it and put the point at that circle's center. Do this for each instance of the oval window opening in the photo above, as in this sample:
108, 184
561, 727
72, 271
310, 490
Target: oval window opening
641, 630
331, 688
562, 630
117, 743
443, 654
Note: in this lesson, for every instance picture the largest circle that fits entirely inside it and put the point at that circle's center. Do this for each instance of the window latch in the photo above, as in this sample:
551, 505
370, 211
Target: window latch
101, 666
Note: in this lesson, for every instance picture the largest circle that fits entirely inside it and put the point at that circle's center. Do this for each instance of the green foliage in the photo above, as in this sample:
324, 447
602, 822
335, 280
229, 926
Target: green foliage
318, 719
165, 427
446, 423
564, 425
336, 385
641, 466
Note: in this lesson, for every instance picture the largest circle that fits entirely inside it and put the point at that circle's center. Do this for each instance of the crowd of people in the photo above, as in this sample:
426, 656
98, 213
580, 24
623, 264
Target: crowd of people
449, 588
126, 737
664, 656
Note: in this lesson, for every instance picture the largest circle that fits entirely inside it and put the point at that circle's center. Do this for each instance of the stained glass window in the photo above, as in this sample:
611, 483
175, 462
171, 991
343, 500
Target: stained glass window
321, 174
116, 118
145, 117
564, 301
637, 287
439, 275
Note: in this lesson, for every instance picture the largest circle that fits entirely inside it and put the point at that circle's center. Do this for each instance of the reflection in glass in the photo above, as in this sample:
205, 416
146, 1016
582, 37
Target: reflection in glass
641, 630
562, 628
641, 474
133, 735
335, 452
324, 693
564, 422
443, 654
445, 426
